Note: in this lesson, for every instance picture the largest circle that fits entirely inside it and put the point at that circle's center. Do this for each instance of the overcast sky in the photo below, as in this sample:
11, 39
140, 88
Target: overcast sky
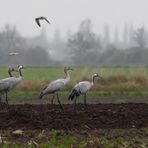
67, 14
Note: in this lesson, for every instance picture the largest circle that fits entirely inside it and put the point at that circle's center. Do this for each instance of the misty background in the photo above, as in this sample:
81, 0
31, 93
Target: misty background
83, 33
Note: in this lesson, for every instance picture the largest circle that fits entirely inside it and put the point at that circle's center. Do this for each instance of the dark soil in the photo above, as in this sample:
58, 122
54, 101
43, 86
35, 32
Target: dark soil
38, 117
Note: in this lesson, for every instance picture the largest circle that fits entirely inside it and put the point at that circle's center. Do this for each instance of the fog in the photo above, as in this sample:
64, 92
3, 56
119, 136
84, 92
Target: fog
81, 32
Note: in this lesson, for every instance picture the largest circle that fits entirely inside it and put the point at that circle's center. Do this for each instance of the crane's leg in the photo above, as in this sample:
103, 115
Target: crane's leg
6, 98
52, 98
75, 102
85, 99
59, 101
0, 98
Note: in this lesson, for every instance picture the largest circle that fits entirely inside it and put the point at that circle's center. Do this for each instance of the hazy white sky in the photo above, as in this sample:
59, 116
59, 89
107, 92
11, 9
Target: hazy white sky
67, 14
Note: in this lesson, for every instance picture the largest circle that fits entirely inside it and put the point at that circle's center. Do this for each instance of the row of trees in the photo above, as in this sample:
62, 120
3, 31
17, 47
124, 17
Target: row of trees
32, 51
84, 47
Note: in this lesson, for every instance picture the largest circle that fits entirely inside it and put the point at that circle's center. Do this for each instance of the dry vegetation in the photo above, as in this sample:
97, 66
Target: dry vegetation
114, 78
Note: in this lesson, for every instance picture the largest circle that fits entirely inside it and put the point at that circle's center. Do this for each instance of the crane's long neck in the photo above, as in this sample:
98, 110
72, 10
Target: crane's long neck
19, 79
93, 78
67, 76
20, 73
9, 72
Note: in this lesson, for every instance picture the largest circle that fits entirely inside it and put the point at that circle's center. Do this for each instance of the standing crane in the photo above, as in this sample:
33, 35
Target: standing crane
10, 70
82, 88
9, 83
55, 86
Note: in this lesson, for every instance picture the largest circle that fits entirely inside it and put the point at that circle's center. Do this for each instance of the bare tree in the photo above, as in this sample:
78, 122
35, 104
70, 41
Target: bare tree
106, 35
125, 35
84, 45
12, 38
139, 37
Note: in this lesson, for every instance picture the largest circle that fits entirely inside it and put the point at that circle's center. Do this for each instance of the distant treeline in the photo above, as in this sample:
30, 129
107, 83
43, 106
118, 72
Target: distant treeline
84, 47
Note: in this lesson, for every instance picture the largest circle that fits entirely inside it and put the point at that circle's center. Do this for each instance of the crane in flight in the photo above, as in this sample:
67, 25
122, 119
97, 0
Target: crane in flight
41, 18
14, 53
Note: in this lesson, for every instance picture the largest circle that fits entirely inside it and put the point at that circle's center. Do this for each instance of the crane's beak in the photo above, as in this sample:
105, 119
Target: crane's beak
100, 77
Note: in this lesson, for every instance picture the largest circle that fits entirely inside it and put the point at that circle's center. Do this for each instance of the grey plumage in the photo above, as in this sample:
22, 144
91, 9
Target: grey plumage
82, 88
55, 86
41, 18
10, 70
9, 83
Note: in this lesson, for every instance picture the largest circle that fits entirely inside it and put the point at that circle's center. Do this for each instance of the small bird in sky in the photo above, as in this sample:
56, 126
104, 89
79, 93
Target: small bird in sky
41, 18
14, 53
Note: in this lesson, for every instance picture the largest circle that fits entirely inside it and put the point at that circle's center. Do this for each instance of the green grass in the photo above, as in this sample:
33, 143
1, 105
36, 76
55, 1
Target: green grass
116, 80
50, 73
93, 97
106, 138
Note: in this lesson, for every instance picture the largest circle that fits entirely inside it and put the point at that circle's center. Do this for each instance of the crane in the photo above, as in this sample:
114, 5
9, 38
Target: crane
82, 88
41, 18
10, 70
55, 86
14, 53
9, 83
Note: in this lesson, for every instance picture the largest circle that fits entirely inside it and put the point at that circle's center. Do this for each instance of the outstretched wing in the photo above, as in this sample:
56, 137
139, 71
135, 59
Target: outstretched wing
46, 20
38, 21
41, 18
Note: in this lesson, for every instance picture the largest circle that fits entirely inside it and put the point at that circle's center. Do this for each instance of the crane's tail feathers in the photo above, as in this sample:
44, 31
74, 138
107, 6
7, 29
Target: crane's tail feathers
41, 95
74, 94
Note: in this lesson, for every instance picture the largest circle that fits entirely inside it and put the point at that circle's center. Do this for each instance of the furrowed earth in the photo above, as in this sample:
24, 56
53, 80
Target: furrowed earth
94, 116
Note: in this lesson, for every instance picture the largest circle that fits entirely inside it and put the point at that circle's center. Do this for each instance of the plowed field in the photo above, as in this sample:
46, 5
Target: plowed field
36, 117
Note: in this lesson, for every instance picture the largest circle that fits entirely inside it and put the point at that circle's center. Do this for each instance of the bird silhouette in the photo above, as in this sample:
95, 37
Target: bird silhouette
41, 18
